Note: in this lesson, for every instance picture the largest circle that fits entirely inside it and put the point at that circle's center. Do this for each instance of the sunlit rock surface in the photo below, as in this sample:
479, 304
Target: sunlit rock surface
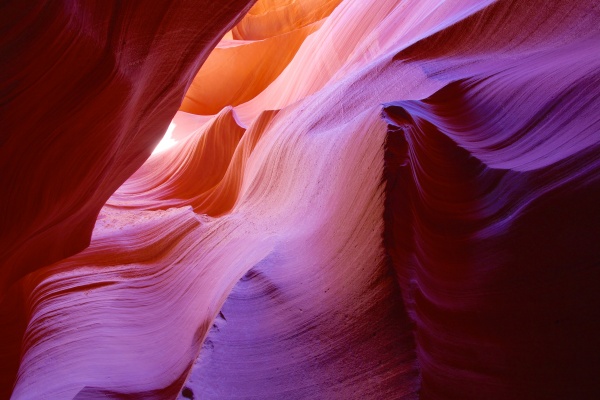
88, 88
357, 200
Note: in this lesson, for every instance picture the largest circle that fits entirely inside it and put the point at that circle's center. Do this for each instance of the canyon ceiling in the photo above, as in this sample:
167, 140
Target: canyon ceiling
354, 199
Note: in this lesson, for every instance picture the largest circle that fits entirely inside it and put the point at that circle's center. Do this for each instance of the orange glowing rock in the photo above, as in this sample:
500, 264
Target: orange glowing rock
374, 199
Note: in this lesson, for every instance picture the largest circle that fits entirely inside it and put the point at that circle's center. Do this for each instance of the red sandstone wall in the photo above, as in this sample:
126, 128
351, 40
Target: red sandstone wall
364, 199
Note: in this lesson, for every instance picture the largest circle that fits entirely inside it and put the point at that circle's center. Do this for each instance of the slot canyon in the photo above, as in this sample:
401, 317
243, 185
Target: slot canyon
300, 199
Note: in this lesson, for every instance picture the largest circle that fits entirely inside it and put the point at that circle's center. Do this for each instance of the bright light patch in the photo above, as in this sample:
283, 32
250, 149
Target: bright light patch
167, 141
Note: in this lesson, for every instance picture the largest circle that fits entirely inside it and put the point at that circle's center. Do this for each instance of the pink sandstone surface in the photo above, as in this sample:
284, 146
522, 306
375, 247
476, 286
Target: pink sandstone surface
362, 199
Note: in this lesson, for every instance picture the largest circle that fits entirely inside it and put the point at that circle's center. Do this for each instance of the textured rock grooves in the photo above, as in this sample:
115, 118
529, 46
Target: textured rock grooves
363, 199
118, 74
267, 343
486, 335
88, 90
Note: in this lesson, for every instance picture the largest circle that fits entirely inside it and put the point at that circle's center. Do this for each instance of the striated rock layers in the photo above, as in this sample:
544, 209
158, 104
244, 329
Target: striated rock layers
374, 199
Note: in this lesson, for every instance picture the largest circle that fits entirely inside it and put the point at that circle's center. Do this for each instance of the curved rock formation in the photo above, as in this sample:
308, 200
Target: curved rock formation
401, 203
88, 90
236, 71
